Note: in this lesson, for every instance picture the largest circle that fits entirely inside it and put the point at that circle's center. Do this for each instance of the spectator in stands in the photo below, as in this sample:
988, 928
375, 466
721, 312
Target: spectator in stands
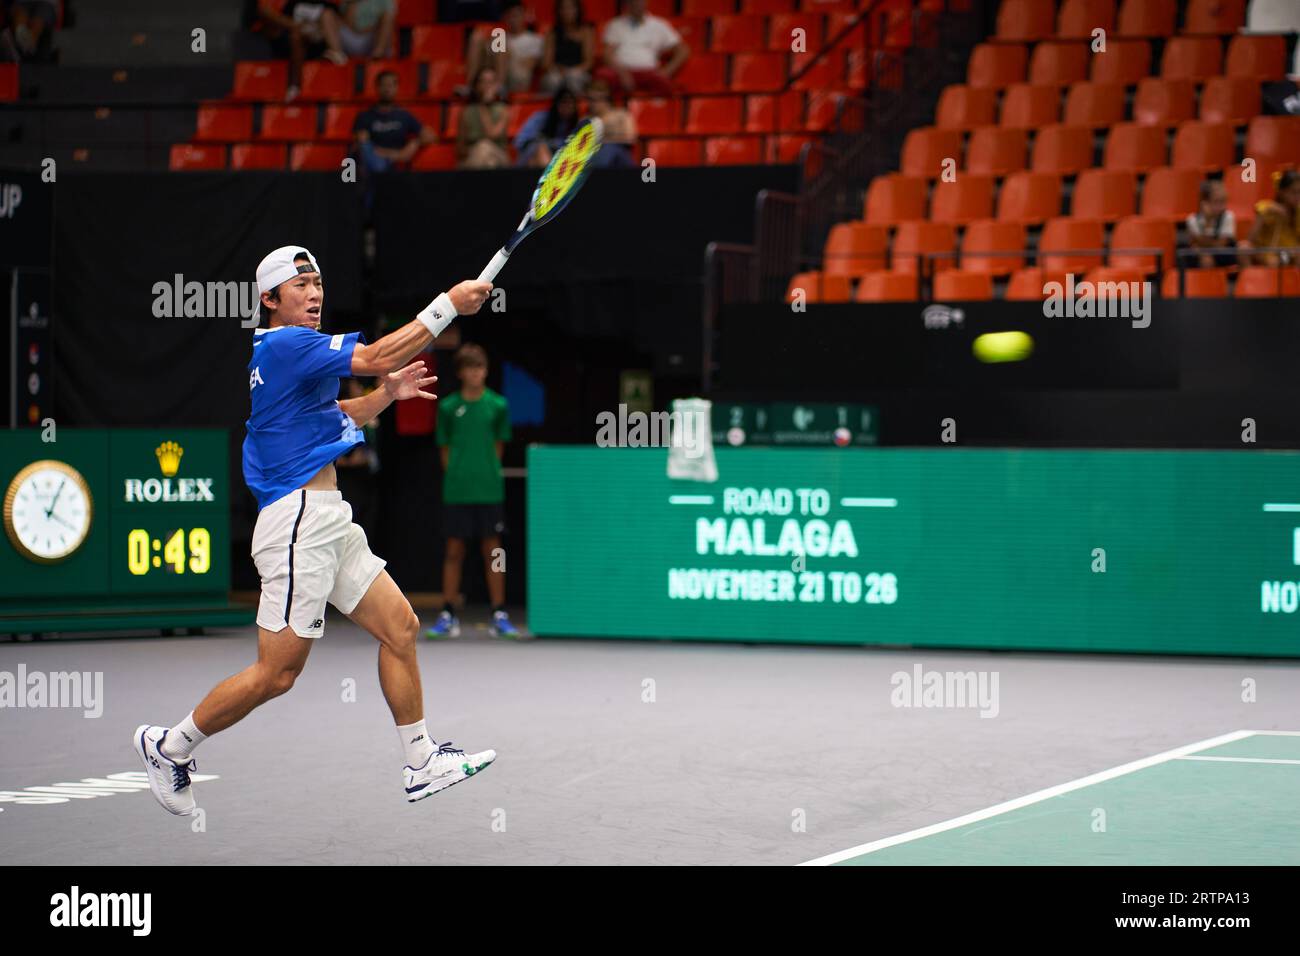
387, 135
570, 50
301, 28
30, 25
620, 128
368, 28
546, 130
635, 43
513, 56
1211, 226
1277, 221
481, 140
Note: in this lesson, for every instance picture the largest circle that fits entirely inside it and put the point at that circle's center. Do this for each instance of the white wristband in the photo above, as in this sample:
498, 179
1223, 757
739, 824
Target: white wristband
437, 315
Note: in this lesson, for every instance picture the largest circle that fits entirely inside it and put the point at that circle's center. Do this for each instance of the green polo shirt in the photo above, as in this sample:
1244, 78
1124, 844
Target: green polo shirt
471, 430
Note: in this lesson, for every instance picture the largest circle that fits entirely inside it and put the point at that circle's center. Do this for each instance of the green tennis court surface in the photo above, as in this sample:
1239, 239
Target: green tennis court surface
1229, 801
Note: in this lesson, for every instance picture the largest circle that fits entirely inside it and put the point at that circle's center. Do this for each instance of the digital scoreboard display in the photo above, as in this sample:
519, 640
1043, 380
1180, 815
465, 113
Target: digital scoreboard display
1144, 551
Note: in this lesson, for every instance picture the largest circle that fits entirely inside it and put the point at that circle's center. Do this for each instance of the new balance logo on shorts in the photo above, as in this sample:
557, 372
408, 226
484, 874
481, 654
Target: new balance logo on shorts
315, 624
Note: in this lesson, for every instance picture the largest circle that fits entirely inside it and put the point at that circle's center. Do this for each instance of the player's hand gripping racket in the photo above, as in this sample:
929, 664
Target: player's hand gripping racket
559, 183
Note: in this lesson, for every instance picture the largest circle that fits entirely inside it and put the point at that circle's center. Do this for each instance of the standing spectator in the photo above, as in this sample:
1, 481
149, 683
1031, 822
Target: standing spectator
357, 469
387, 135
634, 46
301, 28
514, 56
620, 128
570, 50
546, 130
473, 427
368, 28
481, 139
1212, 225
1277, 221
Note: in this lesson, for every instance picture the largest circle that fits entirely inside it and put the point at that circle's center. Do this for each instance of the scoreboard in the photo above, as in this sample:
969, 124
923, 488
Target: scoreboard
115, 528
1143, 551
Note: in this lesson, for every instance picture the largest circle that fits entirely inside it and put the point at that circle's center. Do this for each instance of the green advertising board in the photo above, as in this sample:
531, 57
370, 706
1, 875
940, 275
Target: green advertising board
1145, 551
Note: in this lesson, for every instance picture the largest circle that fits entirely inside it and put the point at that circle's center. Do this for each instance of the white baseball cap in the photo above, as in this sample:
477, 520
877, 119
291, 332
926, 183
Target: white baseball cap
279, 267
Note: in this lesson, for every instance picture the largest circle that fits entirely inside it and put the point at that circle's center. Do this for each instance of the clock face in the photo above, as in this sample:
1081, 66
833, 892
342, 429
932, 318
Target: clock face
47, 511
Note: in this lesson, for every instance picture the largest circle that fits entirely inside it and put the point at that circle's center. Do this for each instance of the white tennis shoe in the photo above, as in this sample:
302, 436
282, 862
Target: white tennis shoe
169, 780
444, 768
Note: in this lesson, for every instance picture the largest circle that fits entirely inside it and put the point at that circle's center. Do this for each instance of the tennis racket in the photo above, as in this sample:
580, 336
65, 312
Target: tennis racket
559, 183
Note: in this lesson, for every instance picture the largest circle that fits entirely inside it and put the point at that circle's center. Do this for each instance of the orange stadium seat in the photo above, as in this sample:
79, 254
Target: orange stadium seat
444, 77
339, 118
895, 198
767, 7
822, 110
1230, 99
223, 124
853, 248
1140, 232
1204, 146
1259, 58
757, 72
996, 151
1125, 61
770, 113
965, 199
1026, 20
1026, 285
997, 65
965, 107
1094, 104
1029, 197
675, 152
1192, 58
959, 286
703, 73
1214, 16
317, 157
733, 150
260, 80
781, 27
984, 237
1025, 106
1164, 102
708, 8
711, 115
1062, 149
1170, 193
1146, 18
738, 33
656, 116
435, 156
408, 76
887, 287
912, 240
1105, 194
287, 124
1106, 274
1078, 18
257, 156
188, 156
451, 123
1059, 63
820, 288
322, 80
1242, 196
1133, 147
925, 149
1065, 243
438, 41
1196, 284
1260, 282
517, 114
825, 73
1274, 139
787, 147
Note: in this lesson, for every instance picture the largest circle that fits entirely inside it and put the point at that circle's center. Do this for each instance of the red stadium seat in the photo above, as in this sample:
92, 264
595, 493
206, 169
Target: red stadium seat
1242, 196
767, 7
771, 113
757, 72
339, 118
823, 110
1026, 285
1260, 58
1059, 63
853, 248
675, 152
260, 80
1025, 106
1076, 244
1170, 193
1125, 61
886, 287
996, 151
1204, 146
787, 147
817, 287
738, 33
322, 80
1140, 232
413, 12
703, 73
189, 157
257, 156
287, 124
733, 151
517, 115
1029, 198
1163, 102
1104, 194
912, 240
1103, 276
781, 35
451, 124
895, 198
656, 116
608, 9
1132, 147
223, 124
1230, 99
1026, 20
1274, 139
1192, 58
820, 74
435, 156
694, 31
965, 107
429, 114
954, 285
1266, 282
408, 77
992, 246
438, 41
1094, 104
8, 82
444, 77
708, 8
1146, 18
997, 65
1196, 284
317, 157
1215, 16
1078, 18
1062, 149
965, 199
926, 148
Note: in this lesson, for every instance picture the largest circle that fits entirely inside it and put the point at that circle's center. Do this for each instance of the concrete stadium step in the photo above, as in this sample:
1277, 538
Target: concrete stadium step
97, 85
133, 47
152, 14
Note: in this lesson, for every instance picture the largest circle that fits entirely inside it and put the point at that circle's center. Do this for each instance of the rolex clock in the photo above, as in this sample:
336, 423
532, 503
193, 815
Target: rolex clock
47, 512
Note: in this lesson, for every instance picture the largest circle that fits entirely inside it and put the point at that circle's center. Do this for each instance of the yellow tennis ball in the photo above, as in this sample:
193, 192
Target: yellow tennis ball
1003, 347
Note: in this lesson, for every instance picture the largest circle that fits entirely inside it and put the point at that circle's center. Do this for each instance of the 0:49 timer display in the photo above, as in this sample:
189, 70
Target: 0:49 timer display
170, 551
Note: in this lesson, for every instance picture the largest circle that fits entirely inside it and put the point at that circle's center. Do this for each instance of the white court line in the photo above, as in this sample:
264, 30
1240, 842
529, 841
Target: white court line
690, 499
1028, 800
1241, 759
1281, 507
869, 502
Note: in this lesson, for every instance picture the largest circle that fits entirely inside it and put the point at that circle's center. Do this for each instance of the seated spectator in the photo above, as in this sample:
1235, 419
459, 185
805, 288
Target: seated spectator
1211, 226
29, 28
570, 49
481, 140
1277, 222
620, 128
634, 46
301, 28
368, 28
387, 135
546, 130
513, 57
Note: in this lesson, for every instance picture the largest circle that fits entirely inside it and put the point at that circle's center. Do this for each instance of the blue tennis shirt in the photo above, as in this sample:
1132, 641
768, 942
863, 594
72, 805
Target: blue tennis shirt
295, 426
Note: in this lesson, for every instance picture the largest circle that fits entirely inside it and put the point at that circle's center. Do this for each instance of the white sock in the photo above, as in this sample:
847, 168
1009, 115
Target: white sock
416, 744
182, 739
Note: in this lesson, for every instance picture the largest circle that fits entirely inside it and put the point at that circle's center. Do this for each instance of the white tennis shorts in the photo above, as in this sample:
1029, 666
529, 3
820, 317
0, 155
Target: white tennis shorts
310, 553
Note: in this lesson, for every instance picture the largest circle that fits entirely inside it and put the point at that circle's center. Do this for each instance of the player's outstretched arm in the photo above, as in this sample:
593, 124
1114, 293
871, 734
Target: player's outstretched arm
397, 348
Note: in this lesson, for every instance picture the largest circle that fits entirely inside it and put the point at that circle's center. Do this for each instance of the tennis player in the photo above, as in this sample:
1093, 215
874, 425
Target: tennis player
307, 549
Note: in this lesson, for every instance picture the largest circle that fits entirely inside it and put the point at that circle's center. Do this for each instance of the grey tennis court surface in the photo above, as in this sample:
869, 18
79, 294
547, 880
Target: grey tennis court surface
629, 752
